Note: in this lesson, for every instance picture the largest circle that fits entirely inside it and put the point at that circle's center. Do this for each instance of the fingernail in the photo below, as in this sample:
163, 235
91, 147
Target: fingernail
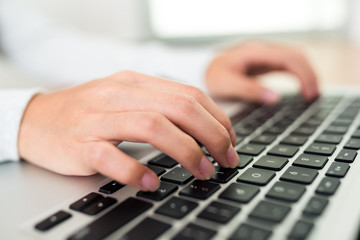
232, 136
206, 168
149, 182
232, 157
269, 97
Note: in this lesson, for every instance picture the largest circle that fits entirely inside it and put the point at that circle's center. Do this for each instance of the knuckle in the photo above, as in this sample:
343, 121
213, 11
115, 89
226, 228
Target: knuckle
126, 73
186, 104
97, 155
294, 54
104, 90
253, 45
150, 122
196, 93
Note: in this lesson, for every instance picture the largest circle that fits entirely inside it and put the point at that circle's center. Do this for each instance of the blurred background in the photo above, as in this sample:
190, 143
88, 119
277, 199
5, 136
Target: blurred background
214, 19
328, 31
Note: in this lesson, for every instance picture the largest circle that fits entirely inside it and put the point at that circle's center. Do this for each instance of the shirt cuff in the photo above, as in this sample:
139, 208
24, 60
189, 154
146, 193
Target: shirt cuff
13, 105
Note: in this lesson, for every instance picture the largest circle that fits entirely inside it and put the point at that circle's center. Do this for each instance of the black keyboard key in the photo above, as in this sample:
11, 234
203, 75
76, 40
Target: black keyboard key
263, 139
163, 161
248, 232
299, 175
341, 122
52, 221
200, 189
256, 176
284, 122
111, 187
195, 232
312, 122
176, 207
320, 115
329, 138
270, 211
337, 169
178, 175
340, 130
300, 230
356, 134
157, 170
112, 220
353, 143
349, 113
328, 186
311, 161
99, 206
243, 130
86, 201
251, 149
294, 140
283, 150
321, 149
162, 192
239, 192
286, 191
244, 160
219, 212
147, 229
275, 130
223, 175
304, 130
315, 206
346, 155
271, 162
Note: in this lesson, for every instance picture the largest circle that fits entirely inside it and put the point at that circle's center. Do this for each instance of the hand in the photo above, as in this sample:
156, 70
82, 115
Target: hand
233, 74
76, 131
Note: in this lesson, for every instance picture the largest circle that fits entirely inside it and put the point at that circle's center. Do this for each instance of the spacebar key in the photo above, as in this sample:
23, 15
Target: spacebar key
113, 220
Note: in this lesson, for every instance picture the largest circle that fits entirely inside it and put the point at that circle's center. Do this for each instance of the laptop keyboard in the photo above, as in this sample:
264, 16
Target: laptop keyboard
284, 147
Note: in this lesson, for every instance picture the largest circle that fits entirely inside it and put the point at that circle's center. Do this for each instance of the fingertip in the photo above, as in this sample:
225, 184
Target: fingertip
232, 157
206, 168
269, 97
149, 181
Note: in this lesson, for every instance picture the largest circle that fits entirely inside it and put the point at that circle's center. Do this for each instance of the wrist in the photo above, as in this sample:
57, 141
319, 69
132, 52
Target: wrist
28, 125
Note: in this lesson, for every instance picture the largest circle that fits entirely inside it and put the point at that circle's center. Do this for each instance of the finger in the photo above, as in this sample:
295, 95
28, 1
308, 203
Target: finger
111, 162
247, 88
157, 130
158, 84
300, 67
297, 64
192, 118
280, 58
185, 112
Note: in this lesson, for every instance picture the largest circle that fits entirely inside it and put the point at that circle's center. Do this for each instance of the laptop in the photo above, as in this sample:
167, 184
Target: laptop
297, 179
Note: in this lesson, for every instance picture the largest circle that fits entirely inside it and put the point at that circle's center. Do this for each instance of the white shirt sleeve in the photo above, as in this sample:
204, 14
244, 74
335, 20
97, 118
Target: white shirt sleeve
13, 103
49, 50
